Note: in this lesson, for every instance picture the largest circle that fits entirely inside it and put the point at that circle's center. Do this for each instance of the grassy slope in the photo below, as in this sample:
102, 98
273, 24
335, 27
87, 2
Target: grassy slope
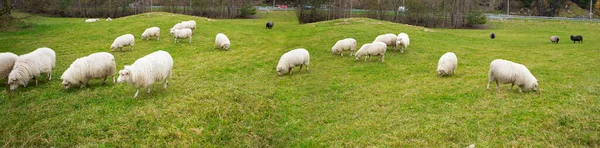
234, 98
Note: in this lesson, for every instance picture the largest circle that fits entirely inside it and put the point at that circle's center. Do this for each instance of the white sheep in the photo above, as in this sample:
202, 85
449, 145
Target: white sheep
108, 19
7, 61
345, 44
30, 66
503, 71
554, 39
389, 39
181, 34
178, 26
372, 49
156, 66
92, 20
447, 64
221, 41
93, 66
292, 59
151, 32
189, 24
402, 41
122, 41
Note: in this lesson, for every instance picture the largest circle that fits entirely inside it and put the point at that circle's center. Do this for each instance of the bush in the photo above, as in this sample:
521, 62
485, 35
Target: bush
247, 11
476, 19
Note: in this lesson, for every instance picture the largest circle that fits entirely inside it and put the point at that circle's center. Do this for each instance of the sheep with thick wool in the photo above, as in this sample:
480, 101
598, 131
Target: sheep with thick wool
447, 64
389, 39
221, 41
503, 71
181, 34
122, 41
151, 32
372, 49
30, 66
292, 59
191, 24
92, 20
147, 70
343, 45
7, 61
554, 39
93, 66
108, 19
402, 41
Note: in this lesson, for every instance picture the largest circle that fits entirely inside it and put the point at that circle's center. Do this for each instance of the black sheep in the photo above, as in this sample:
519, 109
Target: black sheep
270, 25
492, 35
577, 38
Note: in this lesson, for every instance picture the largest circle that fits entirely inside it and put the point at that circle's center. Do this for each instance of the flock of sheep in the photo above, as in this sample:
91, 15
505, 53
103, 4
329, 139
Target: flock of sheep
158, 65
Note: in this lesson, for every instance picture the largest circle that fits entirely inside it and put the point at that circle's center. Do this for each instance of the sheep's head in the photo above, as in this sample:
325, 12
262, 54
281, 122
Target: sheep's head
225, 46
441, 72
66, 84
124, 75
280, 70
14, 80
113, 47
357, 56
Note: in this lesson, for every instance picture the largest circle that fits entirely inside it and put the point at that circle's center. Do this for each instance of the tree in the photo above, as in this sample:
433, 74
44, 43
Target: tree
6, 8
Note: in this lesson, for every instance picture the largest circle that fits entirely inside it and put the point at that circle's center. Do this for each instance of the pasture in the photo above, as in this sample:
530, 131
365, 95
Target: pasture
234, 98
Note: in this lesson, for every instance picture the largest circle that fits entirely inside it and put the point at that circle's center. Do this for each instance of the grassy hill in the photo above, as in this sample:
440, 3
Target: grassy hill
234, 98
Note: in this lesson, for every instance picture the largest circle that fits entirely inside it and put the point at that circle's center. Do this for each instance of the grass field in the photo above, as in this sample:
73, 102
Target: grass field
234, 98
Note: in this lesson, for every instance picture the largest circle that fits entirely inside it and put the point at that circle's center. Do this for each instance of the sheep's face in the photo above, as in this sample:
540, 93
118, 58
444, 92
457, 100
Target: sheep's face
67, 84
280, 70
441, 72
225, 46
13, 83
124, 75
357, 56
172, 32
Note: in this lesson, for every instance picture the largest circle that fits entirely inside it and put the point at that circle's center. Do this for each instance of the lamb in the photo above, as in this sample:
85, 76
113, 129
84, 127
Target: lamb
447, 64
108, 19
181, 34
389, 39
554, 39
503, 71
96, 65
122, 41
145, 71
372, 49
92, 20
270, 25
292, 59
493, 35
577, 38
7, 61
342, 45
403, 41
222, 41
151, 32
30, 66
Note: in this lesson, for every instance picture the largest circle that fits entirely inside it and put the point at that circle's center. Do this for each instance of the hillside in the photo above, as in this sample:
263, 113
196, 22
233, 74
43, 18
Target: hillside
234, 98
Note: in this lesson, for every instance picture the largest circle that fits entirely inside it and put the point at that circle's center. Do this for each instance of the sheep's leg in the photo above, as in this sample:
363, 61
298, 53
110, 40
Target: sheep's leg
300, 67
105, 80
49, 75
190, 39
511, 86
290, 69
114, 81
36, 82
497, 85
166, 83
402, 51
382, 57
136, 93
521, 91
306, 68
489, 82
148, 89
175, 41
131, 47
158, 38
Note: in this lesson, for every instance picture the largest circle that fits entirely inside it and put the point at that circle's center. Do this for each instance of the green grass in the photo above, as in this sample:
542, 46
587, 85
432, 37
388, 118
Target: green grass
233, 98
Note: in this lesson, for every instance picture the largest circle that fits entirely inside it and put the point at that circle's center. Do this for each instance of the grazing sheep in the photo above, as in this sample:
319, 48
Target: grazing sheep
345, 44
122, 41
94, 66
189, 24
147, 70
493, 35
577, 38
7, 61
151, 32
30, 66
177, 27
554, 39
447, 64
221, 41
108, 19
92, 20
389, 39
292, 59
270, 25
503, 71
181, 34
402, 41
371, 49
